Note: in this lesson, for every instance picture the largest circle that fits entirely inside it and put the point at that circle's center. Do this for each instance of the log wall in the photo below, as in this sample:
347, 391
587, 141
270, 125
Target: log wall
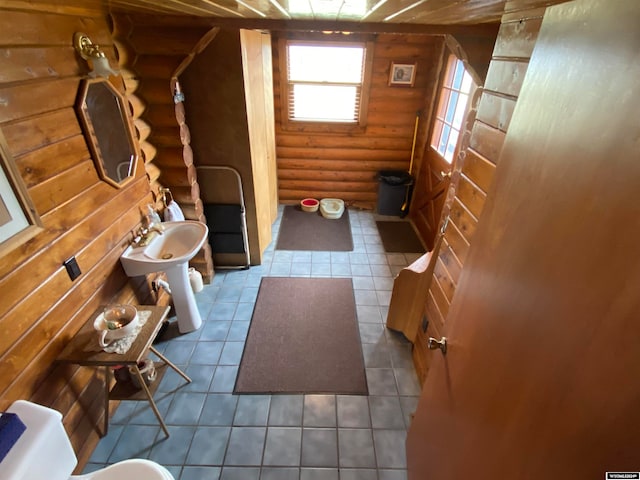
345, 166
475, 169
157, 50
40, 307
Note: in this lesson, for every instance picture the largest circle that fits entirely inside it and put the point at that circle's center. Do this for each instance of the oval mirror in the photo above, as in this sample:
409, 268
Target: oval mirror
108, 130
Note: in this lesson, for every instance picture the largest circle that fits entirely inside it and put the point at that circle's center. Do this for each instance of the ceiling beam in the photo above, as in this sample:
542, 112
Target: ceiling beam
482, 29
355, 27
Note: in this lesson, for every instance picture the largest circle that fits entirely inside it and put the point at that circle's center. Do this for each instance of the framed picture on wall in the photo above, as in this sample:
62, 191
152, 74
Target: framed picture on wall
402, 74
19, 220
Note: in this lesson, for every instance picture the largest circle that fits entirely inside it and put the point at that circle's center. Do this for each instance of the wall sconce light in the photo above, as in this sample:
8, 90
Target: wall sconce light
95, 57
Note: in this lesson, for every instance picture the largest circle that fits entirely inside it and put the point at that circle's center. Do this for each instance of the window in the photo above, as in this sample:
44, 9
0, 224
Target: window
456, 89
325, 83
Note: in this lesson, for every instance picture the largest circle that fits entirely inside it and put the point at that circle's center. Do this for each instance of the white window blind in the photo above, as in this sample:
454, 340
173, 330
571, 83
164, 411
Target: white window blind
325, 82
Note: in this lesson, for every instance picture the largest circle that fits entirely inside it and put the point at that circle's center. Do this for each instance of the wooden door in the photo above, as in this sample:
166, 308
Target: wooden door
449, 129
541, 375
429, 195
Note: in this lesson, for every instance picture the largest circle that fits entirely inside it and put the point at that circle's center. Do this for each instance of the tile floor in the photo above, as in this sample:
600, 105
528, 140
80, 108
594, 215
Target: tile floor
216, 435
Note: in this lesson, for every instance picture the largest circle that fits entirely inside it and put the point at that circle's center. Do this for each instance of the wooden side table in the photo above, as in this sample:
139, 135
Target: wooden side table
83, 349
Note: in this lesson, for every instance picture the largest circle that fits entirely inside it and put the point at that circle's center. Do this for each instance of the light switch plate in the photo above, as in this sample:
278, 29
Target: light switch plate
72, 268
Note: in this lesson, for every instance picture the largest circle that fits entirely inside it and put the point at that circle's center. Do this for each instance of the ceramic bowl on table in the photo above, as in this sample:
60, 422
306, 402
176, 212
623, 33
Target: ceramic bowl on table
115, 322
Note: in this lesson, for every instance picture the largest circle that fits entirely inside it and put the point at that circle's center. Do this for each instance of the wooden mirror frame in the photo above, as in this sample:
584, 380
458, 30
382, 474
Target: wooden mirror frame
120, 133
19, 220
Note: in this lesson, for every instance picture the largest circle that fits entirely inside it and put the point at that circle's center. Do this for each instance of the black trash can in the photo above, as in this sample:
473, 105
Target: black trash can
393, 190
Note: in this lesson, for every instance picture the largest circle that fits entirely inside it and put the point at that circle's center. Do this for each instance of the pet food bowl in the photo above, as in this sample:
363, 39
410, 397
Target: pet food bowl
309, 205
331, 208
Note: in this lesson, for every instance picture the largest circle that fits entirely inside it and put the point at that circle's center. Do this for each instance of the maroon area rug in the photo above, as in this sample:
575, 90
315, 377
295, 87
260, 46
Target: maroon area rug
303, 338
301, 230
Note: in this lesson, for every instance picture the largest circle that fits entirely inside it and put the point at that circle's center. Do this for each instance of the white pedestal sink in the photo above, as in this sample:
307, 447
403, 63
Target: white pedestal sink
170, 252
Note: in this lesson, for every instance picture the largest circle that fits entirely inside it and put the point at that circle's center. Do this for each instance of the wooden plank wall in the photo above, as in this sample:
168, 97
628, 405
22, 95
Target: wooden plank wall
345, 166
40, 307
514, 45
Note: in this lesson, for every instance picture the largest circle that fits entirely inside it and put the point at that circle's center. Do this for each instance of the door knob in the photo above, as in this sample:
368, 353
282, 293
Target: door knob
441, 344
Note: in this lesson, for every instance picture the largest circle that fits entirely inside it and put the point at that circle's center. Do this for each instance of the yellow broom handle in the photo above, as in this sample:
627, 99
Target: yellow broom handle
413, 146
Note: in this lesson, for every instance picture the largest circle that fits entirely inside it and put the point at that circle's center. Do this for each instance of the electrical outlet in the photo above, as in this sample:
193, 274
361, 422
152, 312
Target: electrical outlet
72, 268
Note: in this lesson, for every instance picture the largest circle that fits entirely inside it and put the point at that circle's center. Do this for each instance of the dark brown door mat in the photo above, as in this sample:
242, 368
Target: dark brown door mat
311, 231
399, 237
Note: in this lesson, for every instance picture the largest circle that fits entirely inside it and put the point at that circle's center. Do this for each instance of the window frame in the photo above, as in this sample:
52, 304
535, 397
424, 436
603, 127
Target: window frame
438, 121
290, 125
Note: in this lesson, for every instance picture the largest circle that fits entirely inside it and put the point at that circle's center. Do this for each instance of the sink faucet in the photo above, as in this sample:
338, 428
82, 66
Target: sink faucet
156, 228
143, 236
